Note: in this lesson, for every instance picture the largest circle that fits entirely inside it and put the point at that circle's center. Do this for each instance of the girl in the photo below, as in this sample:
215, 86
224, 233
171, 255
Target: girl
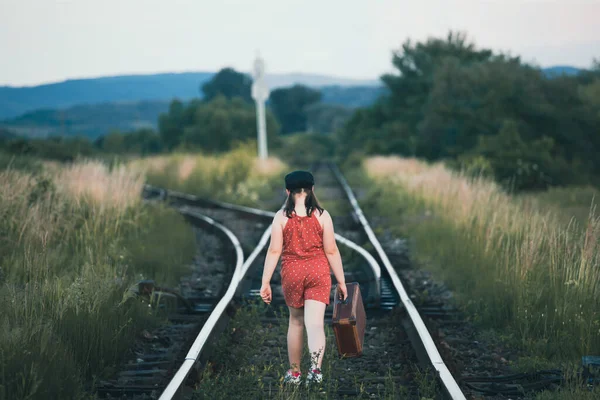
303, 236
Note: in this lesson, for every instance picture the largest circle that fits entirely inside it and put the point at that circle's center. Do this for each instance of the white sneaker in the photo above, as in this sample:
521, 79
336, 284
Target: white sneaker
314, 376
292, 377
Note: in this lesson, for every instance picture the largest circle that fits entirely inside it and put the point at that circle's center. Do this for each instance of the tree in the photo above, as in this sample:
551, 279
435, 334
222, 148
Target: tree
214, 126
58, 148
142, 142
170, 125
590, 94
113, 142
392, 124
454, 102
417, 64
289, 106
520, 164
467, 101
228, 83
326, 118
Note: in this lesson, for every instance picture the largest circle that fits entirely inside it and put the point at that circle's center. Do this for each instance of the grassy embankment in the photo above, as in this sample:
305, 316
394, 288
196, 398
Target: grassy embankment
237, 176
72, 240
519, 265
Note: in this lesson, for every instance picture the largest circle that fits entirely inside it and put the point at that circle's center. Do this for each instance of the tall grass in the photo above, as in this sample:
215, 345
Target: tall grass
237, 176
70, 246
571, 202
511, 264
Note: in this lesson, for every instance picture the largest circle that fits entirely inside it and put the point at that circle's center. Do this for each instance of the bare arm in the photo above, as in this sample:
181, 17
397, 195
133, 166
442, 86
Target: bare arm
274, 249
331, 250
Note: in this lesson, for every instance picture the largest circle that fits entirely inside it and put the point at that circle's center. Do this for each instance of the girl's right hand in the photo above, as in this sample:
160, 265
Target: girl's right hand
265, 292
343, 290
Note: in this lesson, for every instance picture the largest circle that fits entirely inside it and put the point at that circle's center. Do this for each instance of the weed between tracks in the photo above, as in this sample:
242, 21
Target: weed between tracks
250, 359
72, 240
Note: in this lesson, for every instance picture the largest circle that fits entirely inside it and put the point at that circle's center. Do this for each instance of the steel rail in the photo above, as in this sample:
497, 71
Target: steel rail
262, 213
450, 385
215, 203
238, 275
240, 270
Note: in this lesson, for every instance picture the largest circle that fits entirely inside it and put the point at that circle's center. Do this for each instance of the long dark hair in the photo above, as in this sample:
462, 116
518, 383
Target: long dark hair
311, 202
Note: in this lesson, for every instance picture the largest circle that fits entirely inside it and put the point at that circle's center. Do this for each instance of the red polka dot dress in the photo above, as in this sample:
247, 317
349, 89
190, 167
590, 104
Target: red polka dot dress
304, 267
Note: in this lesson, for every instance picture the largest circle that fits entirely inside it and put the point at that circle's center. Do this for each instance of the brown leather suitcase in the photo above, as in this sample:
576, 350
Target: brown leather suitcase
349, 322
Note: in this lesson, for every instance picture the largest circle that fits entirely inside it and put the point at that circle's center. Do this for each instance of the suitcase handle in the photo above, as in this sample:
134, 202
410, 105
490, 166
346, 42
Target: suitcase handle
343, 301
338, 301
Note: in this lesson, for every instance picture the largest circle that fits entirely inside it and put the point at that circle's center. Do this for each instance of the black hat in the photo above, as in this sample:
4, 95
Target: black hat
299, 179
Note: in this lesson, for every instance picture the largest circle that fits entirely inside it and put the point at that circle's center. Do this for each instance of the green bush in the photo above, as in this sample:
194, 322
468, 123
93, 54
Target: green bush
17, 162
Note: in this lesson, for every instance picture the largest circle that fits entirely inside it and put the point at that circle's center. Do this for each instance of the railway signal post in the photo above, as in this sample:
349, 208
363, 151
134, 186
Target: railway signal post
260, 94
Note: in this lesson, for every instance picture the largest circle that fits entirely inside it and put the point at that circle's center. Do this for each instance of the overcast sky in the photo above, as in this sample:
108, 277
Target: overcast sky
51, 40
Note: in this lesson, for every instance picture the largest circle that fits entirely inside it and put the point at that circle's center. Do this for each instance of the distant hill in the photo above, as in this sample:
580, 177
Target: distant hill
6, 134
18, 100
15, 101
283, 80
93, 120
87, 120
351, 96
561, 70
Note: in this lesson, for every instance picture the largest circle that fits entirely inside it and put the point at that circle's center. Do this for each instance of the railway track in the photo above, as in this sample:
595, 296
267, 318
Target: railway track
396, 338
160, 352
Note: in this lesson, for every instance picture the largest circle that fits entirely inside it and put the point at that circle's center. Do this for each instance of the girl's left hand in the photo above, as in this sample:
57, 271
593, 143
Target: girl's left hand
265, 292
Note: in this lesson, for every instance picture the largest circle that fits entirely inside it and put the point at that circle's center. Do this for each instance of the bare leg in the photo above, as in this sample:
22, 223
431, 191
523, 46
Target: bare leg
295, 337
314, 314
